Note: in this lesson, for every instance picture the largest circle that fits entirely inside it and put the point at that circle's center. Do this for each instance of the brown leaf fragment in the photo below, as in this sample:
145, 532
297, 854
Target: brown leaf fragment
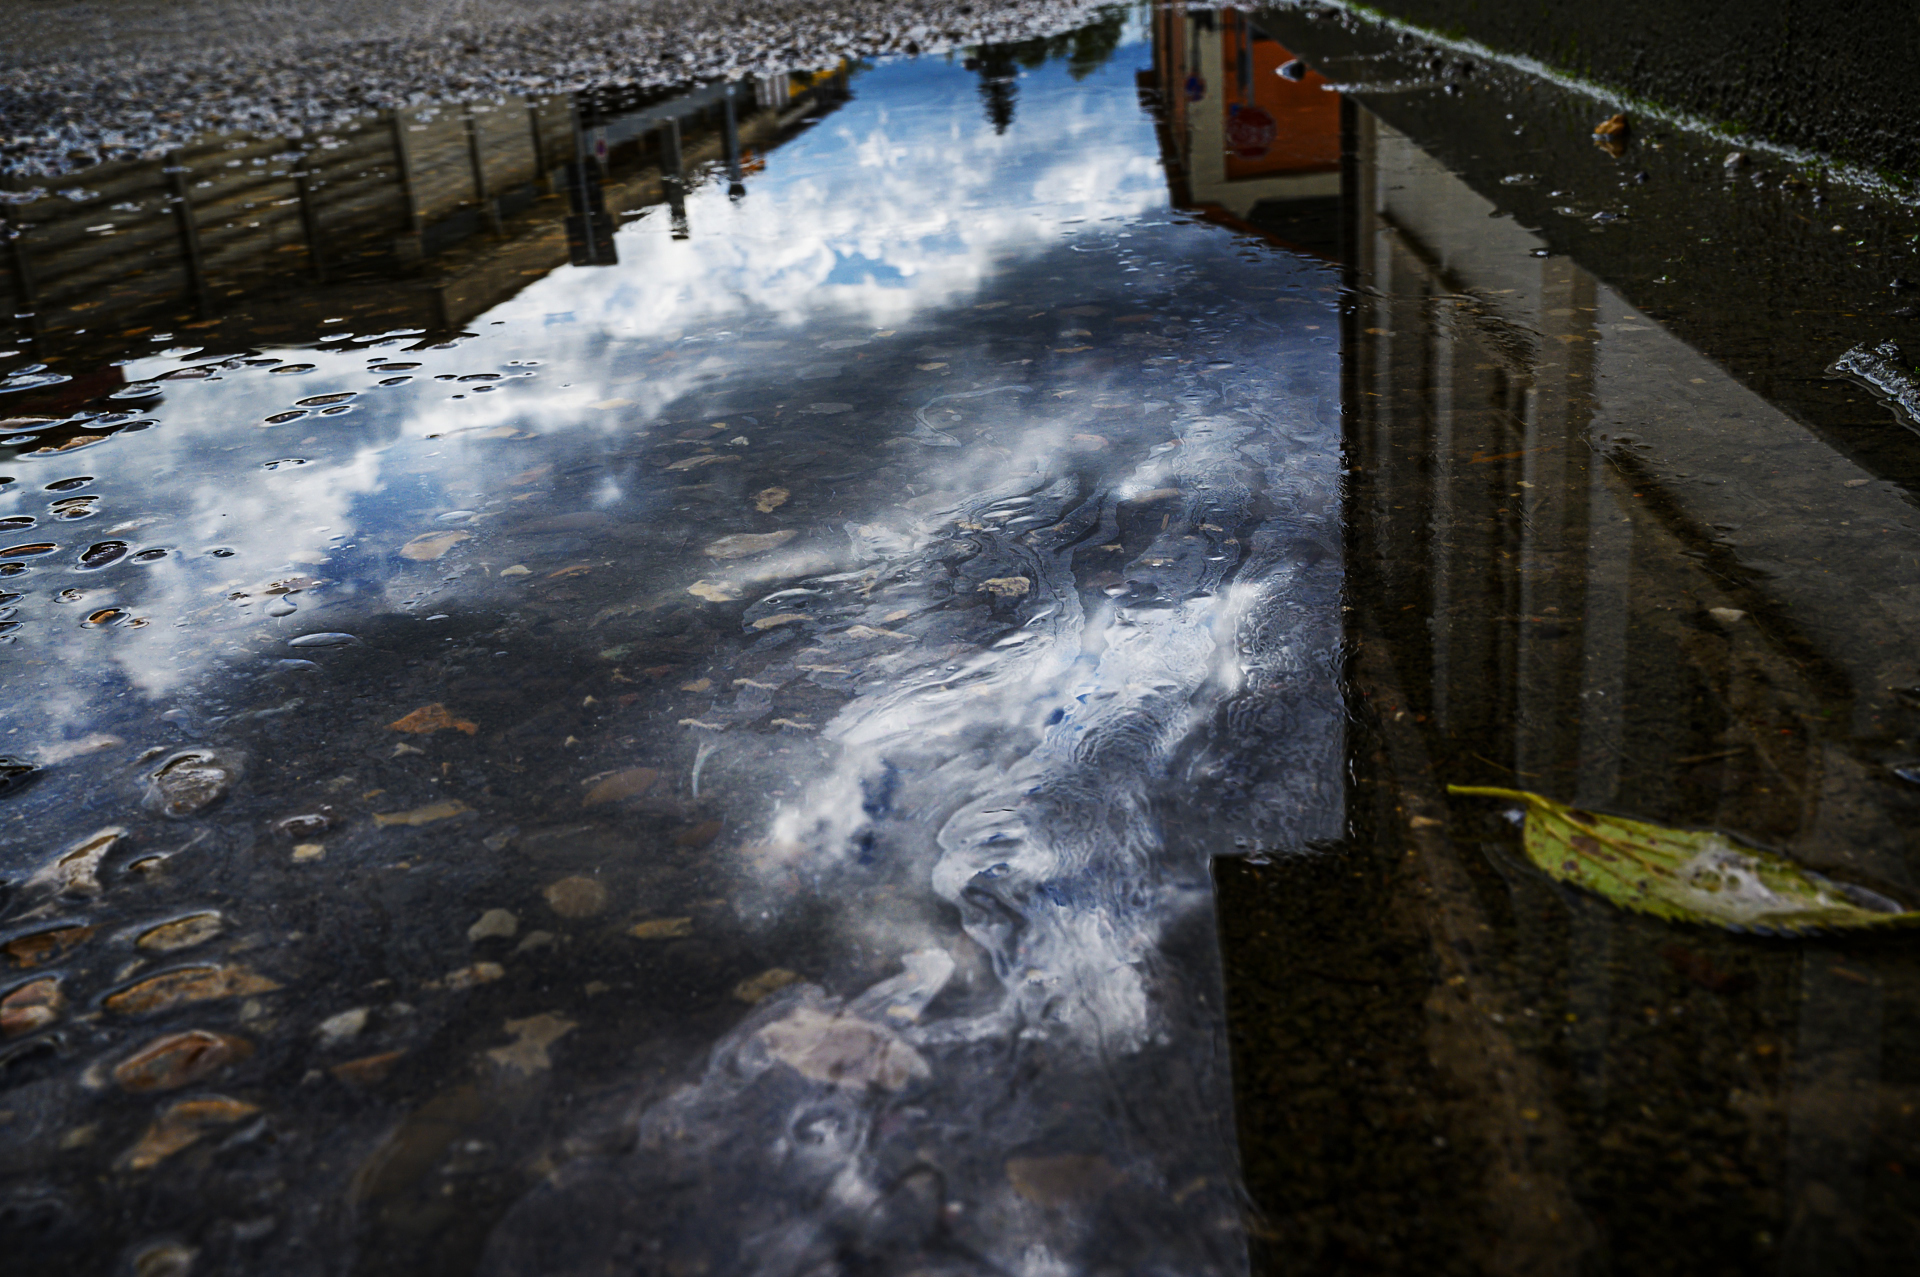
422, 815
767, 500
76, 870
181, 1125
576, 897
32, 1006
1065, 1179
757, 989
36, 947
429, 546
1612, 126
622, 785
368, 1070
661, 929
780, 618
698, 835
1006, 587
843, 1050
429, 719
173, 989
174, 1060
742, 544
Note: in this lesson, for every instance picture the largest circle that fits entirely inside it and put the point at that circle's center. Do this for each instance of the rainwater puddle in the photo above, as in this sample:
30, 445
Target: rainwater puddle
717, 713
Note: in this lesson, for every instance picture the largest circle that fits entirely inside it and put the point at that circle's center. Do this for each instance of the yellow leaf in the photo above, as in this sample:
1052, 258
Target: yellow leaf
1686, 875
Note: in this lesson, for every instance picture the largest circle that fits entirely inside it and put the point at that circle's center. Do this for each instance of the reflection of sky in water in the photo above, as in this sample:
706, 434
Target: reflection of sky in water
900, 202
1044, 614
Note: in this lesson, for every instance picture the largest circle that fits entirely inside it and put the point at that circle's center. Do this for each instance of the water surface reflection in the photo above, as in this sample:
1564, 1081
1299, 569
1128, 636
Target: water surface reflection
699, 767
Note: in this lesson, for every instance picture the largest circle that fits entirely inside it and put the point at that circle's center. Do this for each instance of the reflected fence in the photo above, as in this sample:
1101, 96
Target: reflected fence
398, 193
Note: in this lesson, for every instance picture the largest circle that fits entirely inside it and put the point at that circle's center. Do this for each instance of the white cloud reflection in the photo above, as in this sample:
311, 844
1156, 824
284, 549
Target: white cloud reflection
901, 202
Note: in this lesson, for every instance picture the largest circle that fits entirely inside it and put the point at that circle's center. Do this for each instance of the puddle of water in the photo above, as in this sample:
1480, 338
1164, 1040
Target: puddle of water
745, 751
704, 746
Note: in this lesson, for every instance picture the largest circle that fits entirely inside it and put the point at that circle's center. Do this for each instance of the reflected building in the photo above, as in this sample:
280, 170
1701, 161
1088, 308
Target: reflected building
1251, 137
1585, 560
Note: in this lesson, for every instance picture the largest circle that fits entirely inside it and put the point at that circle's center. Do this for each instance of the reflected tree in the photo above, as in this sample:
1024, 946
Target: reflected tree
1085, 50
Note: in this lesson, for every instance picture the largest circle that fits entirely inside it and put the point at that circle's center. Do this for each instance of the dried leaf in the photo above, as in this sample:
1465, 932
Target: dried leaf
1699, 876
429, 546
368, 1070
432, 718
1612, 126
1006, 587
870, 631
704, 459
742, 544
661, 929
518, 569
781, 618
767, 500
421, 815
631, 783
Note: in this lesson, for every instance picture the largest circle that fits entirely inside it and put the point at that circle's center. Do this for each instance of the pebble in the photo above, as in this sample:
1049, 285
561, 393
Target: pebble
191, 781
576, 897
631, 783
32, 1006
494, 924
338, 1028
174, 1060
76, 871
182, 1124
178, 988
181, 933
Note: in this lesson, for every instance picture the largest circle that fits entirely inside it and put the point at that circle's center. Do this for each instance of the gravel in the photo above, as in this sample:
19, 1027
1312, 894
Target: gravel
127, 79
